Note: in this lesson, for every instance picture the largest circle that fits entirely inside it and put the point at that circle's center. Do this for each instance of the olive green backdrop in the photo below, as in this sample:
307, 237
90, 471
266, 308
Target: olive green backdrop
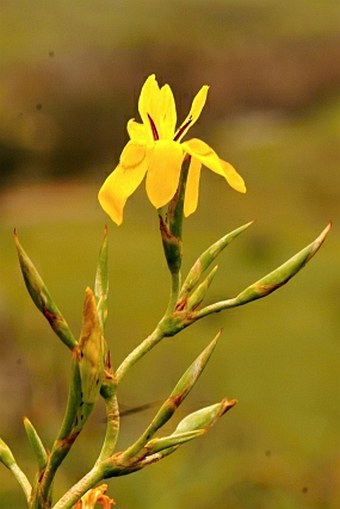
70, 78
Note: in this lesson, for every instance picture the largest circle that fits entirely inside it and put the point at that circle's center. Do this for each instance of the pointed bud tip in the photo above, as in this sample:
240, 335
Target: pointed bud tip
321, 238
227, 404
88, 291
16, 238
218, 335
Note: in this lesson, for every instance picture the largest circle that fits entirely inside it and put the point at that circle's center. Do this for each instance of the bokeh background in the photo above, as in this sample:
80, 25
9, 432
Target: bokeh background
71, 72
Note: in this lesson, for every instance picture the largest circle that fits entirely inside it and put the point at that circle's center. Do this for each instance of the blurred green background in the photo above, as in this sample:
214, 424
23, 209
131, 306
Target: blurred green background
70, 76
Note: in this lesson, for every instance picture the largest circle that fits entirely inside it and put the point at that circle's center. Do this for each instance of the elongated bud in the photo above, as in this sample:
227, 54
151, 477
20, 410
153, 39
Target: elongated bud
101, 287
190, 377
205, 417
198, 295
168, 408
207, 258
271, 281
90, 350
36, 443
42, 298
192, 426
7, 459
282, 274
159, 444
6, 456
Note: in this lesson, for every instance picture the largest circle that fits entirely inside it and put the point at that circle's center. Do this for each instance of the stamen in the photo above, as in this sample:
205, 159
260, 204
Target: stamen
153, 128
182, 129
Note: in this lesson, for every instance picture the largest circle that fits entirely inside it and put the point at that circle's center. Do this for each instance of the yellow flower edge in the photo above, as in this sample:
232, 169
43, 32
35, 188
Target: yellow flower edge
156, 152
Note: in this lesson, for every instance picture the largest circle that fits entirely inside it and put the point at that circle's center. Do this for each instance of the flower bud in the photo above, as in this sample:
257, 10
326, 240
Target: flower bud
6, 456
101, 287
282, 274
90, 351
205, 417
159, 444
42, 298
207, 258
198, 295
36, 443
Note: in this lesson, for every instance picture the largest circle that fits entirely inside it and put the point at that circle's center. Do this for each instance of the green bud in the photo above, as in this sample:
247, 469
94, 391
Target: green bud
101, 287
192, 426
282, 274
90, 351
207, 258
168, 408
205, 417
198, 295
271, 281
190, 377
36, 443
7, 459
159, 444
42, 298
6, 456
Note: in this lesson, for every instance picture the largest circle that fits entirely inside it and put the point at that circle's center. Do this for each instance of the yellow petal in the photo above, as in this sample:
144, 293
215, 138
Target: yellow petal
167, 115
207, 156
149, 98
233, 178
123, 181
157, 105
192, 187
163, 172
204, 153
138, 132
194, 113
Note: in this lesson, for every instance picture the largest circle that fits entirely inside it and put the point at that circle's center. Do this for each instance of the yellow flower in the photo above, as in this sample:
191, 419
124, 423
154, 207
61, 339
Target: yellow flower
155, 149
95, 496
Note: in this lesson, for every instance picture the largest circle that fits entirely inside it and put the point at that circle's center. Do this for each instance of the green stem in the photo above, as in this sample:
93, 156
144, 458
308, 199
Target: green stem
74, 494
62, 443
217, 307
174, 292
112, 428
171, 232
143, 348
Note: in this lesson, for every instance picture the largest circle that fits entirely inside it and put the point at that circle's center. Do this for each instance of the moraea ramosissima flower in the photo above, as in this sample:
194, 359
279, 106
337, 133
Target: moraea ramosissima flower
156, 150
